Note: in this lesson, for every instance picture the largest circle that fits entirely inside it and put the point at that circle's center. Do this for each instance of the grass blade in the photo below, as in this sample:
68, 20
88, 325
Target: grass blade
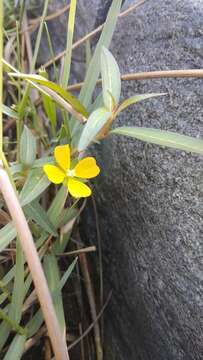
105, 39
163, 138
16, 347
68, 55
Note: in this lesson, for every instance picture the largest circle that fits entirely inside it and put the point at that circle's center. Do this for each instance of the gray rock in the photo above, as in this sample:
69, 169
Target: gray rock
150, 199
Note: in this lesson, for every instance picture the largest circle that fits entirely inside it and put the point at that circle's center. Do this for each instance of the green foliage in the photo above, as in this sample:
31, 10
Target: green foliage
27, 147
111, 79
163, 138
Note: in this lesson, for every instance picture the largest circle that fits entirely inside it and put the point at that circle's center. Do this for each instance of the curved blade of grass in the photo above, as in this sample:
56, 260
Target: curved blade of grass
10, 112
163, 138
72, 100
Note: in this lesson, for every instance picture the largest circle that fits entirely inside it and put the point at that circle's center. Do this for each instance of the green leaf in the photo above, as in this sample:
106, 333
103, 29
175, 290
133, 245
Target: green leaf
163, 138
72, 100
36, 212
27, 147
37, 320
10, 112
92, 127
35, 184
105, 39
94, 67
97, 103
15, 307
111, 79
57, 205
16, 347
49, 105
135, 99
69, 43
7, 234
52, 274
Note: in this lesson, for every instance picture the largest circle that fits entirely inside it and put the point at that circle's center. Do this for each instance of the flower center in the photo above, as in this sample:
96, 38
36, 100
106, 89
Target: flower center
70, 173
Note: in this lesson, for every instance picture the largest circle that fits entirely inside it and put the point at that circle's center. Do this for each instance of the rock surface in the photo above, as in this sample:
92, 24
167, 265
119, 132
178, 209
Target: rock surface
149, 198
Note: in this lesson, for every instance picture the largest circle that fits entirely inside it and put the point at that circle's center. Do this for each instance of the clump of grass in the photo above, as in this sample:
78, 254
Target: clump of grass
41, 224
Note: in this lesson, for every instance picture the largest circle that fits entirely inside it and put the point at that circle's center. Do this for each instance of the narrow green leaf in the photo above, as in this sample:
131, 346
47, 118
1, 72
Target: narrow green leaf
27, 147
135, 99
37, 320
36, 212
163, 138
105, 39
68, 55
7, 234
72, 100
54, 212
92, 127
53, 277
16, 347
111, 79
10, 112
15, 307
49, 105
35, 184
94, 66
15, 310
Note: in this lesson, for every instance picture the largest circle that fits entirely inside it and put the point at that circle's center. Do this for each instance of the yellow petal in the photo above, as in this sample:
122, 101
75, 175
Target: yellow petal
87, 168
77, 189
62, 156
54, 174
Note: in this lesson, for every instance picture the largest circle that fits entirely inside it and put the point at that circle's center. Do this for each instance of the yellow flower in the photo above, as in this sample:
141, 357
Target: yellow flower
63, 173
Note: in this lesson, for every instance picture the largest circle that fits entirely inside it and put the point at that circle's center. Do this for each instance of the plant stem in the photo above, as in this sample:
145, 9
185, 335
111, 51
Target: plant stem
12, 324
189, 73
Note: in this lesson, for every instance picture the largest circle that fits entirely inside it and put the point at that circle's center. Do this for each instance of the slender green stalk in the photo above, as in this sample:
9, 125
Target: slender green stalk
51, 52
69, 43
13, 325
1, 76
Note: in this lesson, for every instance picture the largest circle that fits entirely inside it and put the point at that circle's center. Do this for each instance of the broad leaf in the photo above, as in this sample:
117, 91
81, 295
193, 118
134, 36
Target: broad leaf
163, 138
111, 79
